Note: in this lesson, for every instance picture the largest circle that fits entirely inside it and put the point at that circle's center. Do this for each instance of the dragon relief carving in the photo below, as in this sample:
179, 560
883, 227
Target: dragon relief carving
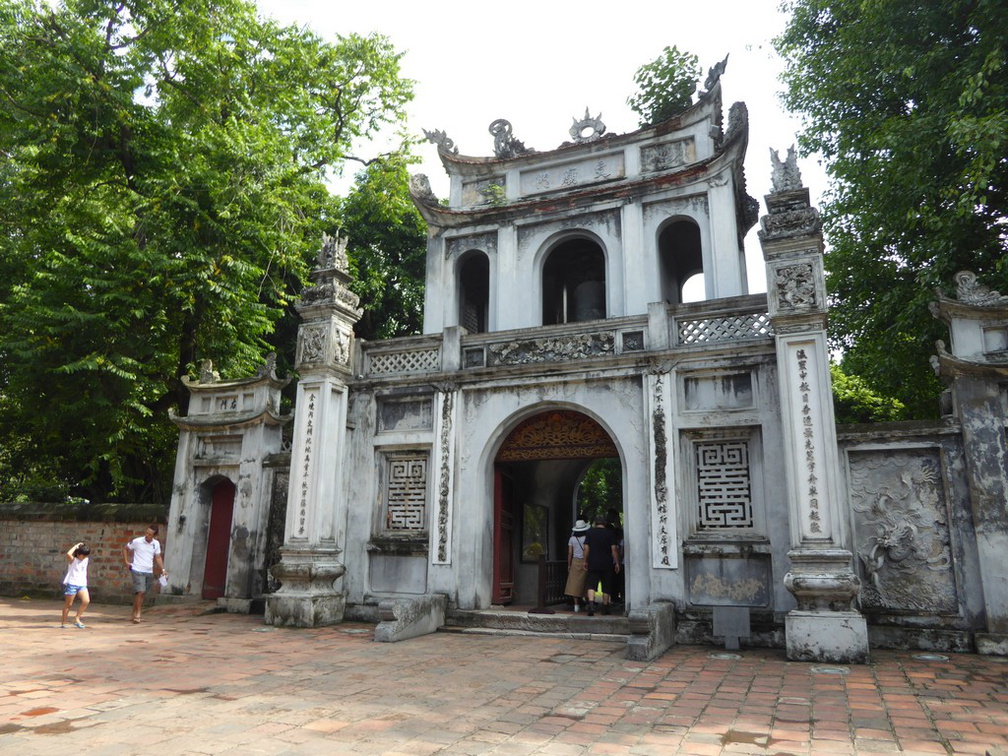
559, 349
903, 540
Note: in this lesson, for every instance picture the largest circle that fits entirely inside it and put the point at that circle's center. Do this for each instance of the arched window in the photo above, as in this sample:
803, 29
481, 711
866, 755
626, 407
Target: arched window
474, 292
574, 283
681, 260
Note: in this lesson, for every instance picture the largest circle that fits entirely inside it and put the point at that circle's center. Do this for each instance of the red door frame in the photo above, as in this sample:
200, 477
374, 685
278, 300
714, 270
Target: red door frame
503, 541
218, 540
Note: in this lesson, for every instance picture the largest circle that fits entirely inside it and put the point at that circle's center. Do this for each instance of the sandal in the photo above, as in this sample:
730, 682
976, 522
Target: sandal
136, 620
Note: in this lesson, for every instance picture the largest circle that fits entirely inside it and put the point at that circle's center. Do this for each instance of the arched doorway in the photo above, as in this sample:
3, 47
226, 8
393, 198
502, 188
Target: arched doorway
537, 472
218, 539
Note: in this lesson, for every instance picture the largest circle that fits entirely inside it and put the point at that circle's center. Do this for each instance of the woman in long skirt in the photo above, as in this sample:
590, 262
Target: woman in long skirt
575, 564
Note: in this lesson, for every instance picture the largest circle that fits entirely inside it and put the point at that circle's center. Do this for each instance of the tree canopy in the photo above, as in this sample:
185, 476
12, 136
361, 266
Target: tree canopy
387, 248
162, 192
665, 86
907, 103
855, 402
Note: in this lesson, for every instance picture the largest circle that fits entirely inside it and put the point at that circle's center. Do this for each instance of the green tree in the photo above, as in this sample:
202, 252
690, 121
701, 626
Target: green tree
387, 248
665, 86
162, 193
601, 489
907, 103
855, 402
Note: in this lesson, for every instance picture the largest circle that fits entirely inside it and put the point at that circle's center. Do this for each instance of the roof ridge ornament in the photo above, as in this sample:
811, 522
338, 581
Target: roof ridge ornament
970, 291
442, 140
505, 145
714, 76
593, 126
207, 372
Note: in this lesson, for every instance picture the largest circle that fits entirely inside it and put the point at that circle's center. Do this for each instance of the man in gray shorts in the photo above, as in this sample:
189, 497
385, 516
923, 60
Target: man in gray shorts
142, 555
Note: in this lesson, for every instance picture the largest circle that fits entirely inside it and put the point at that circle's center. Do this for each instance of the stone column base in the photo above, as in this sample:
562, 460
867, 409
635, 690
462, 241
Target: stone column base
825, 636
307, 596
305, 610
992, 644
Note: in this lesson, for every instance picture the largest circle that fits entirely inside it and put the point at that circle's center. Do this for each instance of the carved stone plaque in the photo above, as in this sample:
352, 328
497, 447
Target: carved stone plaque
719, 581
901, 527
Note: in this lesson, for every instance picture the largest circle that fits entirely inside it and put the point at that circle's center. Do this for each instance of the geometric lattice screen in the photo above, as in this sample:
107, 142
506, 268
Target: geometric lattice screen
724, 485
406, 493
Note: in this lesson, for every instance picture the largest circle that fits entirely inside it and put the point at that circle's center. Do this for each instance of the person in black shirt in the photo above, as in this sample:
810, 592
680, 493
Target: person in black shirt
601, 562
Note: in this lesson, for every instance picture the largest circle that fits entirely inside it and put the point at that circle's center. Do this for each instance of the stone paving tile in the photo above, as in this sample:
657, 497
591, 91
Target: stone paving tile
195, 684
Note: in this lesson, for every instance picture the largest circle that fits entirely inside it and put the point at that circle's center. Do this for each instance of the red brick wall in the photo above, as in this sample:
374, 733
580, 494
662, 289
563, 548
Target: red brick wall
33, 556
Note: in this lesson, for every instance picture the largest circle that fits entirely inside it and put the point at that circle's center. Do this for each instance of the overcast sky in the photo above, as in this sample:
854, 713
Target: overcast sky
540, 64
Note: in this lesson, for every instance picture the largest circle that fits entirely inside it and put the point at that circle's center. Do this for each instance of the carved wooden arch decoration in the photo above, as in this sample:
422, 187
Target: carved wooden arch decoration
557, 434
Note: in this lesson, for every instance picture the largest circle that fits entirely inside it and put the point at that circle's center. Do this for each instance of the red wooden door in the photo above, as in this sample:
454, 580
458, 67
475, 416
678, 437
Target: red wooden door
218, 540
503, 559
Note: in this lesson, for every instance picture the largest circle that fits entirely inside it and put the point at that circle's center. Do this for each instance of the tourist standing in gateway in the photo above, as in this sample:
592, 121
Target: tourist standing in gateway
601, 562
142, 555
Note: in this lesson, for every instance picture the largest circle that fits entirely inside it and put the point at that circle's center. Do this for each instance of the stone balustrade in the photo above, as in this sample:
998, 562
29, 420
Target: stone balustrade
690, 325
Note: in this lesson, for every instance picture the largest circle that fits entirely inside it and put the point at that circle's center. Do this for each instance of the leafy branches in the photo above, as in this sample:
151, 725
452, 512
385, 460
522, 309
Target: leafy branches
387, 250
665, 86
161, 198
907, 102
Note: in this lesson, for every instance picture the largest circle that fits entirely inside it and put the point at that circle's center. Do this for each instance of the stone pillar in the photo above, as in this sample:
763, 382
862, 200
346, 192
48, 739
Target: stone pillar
977, 372
310, 563
825, 626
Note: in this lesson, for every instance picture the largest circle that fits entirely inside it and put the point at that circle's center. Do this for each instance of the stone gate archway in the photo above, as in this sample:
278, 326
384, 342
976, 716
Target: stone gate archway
536, 473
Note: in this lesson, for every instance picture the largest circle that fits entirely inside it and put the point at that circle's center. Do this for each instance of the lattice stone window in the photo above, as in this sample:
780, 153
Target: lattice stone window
724, 485
406, 492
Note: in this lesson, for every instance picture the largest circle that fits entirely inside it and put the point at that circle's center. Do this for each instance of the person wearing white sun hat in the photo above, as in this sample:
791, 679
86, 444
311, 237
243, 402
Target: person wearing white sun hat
576, 574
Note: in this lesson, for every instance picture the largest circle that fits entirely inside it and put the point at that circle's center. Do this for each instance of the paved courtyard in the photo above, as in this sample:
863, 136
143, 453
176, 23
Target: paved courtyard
186, 683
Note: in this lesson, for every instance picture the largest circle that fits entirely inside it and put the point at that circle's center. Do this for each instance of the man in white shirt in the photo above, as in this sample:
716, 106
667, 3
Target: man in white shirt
143, 555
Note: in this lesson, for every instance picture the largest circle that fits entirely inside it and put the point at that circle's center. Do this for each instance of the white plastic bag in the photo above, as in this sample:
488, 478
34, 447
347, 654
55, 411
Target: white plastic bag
163, 580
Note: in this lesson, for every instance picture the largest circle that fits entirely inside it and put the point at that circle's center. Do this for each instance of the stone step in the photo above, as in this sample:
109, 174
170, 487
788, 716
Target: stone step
504, 621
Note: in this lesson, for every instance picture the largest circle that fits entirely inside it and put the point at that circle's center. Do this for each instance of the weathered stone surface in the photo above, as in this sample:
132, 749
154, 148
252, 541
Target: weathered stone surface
653, 631
827, 636
403, 618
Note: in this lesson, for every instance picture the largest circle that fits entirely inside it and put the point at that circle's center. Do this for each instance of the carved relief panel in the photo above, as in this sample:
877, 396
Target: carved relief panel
323, 344
901, 515
672, 154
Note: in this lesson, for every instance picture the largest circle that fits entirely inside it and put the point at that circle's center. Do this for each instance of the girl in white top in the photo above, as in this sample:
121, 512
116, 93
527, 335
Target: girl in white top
75, 582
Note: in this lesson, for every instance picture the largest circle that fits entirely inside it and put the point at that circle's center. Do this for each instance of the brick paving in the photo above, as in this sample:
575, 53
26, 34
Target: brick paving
186, 683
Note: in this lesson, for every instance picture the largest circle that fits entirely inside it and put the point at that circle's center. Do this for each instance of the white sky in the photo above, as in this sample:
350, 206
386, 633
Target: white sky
539, 64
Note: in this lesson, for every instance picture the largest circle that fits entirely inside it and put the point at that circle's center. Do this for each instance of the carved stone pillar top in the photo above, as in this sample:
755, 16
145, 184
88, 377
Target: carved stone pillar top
329, 310
789, 211
329, 291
